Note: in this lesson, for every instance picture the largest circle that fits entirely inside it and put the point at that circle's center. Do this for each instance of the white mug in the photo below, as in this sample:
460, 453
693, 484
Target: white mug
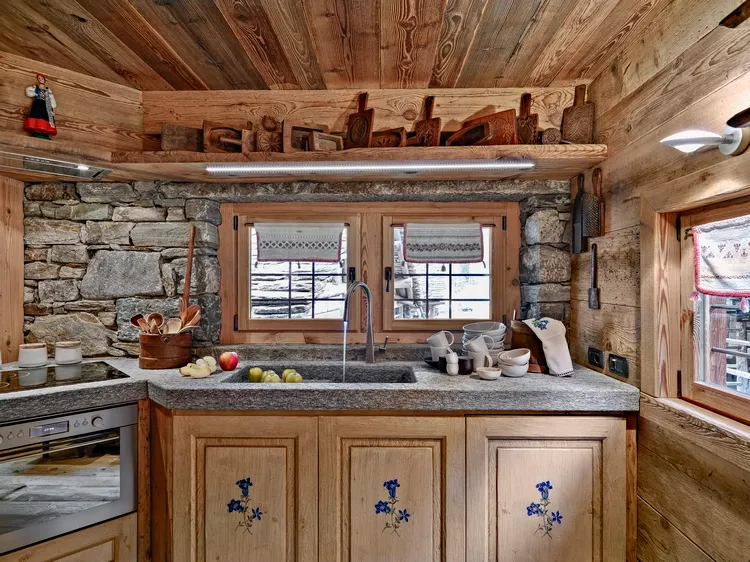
438, 352
441, 339
451, 358
480, 344
481, 359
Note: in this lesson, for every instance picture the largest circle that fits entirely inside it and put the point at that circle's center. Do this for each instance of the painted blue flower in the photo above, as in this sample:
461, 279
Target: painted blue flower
403, 515
382, 507
556, 517
391, 486
541, 324
533, 509
256, 513
234, 505
244, 485
542, 486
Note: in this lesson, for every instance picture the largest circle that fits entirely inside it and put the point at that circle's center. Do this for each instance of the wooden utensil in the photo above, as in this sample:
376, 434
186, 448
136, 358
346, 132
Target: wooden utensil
155, 322
218, 138
428, 129
502, 127
143, 325
578, 120
269, 139
578, 241
468, 136
172, 326
188, 274
135, 320
390, 138
177, 137
527, 123
322, 142
295, 136
193, 318
593, 290
359, 125
551, 136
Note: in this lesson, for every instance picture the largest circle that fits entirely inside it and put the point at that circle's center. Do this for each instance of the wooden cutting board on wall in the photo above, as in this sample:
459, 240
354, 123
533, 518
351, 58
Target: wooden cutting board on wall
502, 127
578, 120
527, 123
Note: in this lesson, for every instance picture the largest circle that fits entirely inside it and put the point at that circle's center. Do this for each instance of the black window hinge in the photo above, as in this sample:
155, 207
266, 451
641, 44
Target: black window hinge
352, 274
505, 223
678, 227
236, 222
236, 323
679, 383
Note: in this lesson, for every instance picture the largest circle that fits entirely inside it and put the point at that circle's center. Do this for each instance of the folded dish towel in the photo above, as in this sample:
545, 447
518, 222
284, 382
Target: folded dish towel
289, 241
551, 332
443, 243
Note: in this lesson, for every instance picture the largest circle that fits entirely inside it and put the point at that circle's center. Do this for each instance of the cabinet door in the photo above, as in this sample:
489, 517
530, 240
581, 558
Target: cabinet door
113, 541
392, 488
245, 487
546, 488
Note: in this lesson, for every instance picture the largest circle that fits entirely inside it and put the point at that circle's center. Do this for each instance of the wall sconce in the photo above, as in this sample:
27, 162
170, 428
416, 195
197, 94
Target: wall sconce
731, 142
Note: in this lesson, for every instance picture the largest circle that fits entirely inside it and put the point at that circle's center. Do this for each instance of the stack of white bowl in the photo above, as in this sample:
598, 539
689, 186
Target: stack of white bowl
495, 331
514, 363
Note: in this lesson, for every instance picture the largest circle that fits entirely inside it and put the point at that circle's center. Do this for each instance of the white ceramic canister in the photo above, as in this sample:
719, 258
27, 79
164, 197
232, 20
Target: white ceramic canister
68, 352
32, 355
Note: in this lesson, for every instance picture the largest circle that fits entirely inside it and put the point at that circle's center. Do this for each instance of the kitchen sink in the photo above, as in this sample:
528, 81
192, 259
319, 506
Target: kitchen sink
331, 372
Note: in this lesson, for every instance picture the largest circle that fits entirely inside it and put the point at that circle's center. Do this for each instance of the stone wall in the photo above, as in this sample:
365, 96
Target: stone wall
98, 253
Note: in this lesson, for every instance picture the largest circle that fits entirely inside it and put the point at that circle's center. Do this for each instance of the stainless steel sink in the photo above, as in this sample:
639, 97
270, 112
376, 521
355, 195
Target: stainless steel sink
331, 371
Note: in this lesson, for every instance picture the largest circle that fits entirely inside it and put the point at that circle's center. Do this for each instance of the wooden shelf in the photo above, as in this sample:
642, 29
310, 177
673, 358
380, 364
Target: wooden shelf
560, 162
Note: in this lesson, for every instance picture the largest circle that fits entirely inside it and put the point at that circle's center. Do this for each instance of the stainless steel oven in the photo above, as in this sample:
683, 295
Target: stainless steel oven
65, 473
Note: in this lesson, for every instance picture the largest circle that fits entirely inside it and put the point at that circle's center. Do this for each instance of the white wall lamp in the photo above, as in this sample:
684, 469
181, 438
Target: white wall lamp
731, 142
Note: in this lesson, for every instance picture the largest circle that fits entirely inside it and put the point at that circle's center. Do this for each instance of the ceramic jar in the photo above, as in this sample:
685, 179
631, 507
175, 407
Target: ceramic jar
32, 355
68, 352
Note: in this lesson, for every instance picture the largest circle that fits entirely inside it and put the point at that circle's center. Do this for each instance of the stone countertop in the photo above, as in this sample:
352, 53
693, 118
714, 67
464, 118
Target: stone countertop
584, 391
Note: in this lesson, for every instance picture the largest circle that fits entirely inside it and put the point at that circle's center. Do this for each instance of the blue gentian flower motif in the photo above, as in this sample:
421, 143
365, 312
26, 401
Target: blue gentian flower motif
403, 515
541, 510
244, 485
556, 517
388, 507
256, 513
391, 486
234, 505
381, 507
541, 324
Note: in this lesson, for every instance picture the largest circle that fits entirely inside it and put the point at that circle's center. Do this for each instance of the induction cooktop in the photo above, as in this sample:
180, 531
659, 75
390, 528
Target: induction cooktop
22, 379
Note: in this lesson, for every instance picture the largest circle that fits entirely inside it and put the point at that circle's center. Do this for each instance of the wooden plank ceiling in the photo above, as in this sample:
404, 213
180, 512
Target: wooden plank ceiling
325, 44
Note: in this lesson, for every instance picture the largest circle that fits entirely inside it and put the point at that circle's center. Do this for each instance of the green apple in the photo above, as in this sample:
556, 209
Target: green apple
255, 374
286, 373
293, 377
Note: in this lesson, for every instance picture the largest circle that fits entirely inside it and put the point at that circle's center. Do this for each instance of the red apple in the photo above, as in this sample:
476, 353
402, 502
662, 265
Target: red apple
228, 361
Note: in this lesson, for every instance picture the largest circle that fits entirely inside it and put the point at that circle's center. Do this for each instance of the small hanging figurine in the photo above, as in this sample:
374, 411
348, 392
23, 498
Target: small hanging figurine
41, 119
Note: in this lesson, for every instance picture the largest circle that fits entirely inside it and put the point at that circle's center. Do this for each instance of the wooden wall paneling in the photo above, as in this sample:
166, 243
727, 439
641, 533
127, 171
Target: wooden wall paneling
679, 24
85, 30
392, 108
660, 541
198, 32
162, 478
660, 295
619, 269
11, 268
144, 480
130, 27
631, 464
460, 21
409, 31
348, 49
89, 111
371, 272
612, 329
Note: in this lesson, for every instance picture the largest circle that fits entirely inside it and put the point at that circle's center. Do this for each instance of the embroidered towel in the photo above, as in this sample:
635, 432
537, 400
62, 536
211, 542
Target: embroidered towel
722, 257
443, 243
551, 332
286, 241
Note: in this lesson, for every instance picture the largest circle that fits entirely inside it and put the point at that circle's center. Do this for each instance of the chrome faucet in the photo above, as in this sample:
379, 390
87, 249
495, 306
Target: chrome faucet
370, 344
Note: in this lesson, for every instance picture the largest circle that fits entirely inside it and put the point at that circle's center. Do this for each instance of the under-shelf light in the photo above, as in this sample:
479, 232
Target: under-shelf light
400, 166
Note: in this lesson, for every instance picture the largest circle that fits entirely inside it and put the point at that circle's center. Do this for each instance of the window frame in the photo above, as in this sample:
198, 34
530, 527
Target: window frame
723, 400
365, 253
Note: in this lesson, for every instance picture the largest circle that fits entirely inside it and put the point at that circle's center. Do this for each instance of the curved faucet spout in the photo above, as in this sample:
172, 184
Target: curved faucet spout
370, 343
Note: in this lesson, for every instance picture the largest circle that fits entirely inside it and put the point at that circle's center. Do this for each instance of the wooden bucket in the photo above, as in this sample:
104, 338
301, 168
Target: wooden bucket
167, 351
523, 336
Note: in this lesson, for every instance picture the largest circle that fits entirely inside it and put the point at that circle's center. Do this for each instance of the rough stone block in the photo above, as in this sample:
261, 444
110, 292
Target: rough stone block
32, 209
550, 292
203, 210
113, 274
50, 191
84, 212
138, 214
37, 309
205, 278
81, 326
36, 254
174, 234
101, 192
63, 290
90, 306
544, 264
43, 231
175, 214
69, 254
544, 227
40, 270
29, 295
109, 319
107, 232
72, 272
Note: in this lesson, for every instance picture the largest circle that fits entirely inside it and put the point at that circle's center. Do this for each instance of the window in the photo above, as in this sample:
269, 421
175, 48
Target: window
716, 337
303, 302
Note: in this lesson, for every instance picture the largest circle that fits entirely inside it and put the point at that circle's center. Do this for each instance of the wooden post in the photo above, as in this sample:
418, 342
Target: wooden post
11, 267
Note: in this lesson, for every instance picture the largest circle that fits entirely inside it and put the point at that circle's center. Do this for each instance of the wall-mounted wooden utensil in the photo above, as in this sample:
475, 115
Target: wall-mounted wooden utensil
390, 138
177, 137
296, 136
578, 120
502, 127
527, 123
188, 274
359, 126
219, 138
322, 142
428, 129
468, 136
269, 139
593, 290
550, 136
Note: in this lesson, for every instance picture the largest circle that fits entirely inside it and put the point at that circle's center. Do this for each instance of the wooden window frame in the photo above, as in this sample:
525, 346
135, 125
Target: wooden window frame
368, 254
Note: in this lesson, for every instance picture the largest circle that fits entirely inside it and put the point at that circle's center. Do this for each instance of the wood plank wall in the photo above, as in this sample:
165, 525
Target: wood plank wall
681, 71
11, 268
89, 110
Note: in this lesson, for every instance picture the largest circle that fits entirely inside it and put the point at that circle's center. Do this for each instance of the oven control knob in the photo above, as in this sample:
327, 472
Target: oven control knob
97, 422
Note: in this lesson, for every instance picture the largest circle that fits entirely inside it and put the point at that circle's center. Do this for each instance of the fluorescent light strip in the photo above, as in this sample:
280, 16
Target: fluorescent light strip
404, 166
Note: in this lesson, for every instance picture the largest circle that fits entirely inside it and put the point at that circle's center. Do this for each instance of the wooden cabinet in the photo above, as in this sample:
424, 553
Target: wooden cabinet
244, 487
112, 541
392, 488
546, 488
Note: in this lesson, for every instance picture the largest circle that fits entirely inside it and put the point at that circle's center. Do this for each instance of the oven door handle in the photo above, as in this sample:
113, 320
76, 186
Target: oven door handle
9, 456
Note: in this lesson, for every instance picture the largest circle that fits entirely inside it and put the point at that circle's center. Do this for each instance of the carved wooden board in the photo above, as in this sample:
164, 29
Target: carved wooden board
527, 123
502, 127
359, 125
578, 121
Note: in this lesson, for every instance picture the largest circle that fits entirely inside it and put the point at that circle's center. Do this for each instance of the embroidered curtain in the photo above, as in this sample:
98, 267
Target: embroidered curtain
443, 243
722, 257
295, 242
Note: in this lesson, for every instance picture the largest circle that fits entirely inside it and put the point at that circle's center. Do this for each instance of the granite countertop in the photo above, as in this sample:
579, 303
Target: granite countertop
584, 391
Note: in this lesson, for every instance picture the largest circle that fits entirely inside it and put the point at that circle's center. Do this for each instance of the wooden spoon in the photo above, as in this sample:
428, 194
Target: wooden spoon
155, 322
172, 326
193, 318
135, 320
143, 325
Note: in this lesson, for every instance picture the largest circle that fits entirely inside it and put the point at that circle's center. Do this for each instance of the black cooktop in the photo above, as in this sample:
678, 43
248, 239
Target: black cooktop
60, 375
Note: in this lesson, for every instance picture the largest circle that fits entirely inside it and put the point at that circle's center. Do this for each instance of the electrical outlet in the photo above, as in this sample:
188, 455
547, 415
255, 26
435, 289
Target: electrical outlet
618, 365
596, 358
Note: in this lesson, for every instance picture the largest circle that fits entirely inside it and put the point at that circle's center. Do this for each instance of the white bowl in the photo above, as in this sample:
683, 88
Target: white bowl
488, 326
518, 356
489, 373
513, 370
